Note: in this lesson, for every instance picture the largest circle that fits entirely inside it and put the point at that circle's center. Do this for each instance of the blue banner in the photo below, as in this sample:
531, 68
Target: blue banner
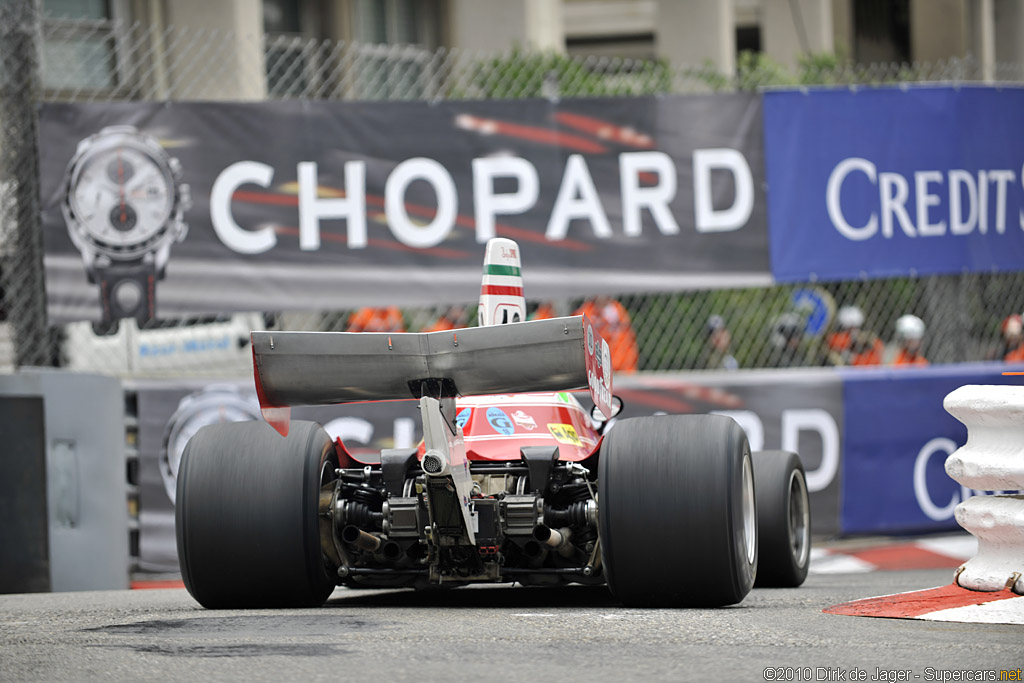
896, 439
891, 182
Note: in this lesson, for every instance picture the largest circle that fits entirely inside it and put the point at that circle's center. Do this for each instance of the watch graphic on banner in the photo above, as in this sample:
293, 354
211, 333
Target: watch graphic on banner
124, 207
213, 404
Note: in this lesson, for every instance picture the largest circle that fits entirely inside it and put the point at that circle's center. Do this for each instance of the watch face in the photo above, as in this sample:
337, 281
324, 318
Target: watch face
122, 196
230, 409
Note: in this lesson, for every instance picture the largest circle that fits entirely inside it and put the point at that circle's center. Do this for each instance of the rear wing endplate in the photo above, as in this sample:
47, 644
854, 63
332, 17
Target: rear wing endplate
315, 368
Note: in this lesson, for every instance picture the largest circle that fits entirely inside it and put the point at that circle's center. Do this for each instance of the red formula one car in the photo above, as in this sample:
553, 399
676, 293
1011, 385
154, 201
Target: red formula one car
506, 486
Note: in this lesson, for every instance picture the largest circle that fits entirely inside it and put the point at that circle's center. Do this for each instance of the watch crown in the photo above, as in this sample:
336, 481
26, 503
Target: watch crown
185, 196
175, 166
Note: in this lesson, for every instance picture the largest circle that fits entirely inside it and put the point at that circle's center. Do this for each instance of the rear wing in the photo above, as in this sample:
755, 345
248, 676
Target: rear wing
314, 368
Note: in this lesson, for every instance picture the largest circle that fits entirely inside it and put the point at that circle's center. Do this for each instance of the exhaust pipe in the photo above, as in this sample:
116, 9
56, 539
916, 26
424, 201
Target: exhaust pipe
558, 539
391, 551
359, 538
434, 464
533, 549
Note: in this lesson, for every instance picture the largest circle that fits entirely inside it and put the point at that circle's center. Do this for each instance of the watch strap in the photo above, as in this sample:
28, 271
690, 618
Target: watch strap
128, 291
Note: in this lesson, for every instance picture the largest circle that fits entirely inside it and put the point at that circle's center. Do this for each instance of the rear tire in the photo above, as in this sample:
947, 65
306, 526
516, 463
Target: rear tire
247, 515
677, 512
783, 519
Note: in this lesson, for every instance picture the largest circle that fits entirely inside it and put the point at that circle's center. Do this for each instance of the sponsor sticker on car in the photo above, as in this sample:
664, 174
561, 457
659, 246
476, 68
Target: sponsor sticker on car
498, 420
564, 433
523, 420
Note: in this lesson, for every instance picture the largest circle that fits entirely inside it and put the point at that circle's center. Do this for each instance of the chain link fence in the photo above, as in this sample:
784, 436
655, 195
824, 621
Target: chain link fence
54, 59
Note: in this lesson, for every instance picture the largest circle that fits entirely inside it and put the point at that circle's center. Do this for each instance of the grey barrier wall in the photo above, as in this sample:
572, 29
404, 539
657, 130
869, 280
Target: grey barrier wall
24, 554
65, 505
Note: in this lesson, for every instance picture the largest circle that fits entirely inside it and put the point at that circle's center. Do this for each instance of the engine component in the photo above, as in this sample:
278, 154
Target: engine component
403, 518
395, 464
580, 513
434, 463
558, 539
521, 514
359, 538
488, 530
539, 461
356, 513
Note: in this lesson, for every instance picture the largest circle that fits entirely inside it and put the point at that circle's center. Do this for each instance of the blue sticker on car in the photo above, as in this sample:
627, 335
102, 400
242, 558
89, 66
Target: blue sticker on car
463, 417
500, 421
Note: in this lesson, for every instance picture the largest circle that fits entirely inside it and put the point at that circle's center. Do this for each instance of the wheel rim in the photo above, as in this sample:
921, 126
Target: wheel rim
799, 518
749, 511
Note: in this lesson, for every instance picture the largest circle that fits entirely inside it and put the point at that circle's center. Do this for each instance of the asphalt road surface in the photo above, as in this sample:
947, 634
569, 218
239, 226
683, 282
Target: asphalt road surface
496, 634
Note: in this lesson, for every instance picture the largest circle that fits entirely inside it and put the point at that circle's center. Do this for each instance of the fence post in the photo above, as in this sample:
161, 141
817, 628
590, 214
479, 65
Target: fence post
23, 297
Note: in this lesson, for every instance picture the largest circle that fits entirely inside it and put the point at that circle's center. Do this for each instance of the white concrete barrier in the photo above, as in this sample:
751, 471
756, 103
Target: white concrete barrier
991, 460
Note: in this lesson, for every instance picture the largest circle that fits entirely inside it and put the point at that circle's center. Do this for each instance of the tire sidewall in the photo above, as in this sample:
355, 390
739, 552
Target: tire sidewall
690, 563
774, 473
745, 566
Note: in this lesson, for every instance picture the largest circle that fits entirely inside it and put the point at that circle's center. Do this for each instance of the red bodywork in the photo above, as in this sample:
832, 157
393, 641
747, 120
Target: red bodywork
495, 427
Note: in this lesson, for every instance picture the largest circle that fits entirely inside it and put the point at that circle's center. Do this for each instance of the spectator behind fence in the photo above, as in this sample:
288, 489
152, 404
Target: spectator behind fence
545, 311
1011, 348
909, 339
454, 318
717, 352
786, 337
371, 319
851, 344
791, 346
1013, 339
612, 321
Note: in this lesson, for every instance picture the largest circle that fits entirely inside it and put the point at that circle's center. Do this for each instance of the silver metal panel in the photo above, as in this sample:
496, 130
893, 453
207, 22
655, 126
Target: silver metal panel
86, 493
306, 368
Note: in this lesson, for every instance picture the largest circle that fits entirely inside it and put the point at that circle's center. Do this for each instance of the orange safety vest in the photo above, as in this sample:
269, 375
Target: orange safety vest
872, 356
371, 319
1016, 355
905, 357
544, 312
613, 323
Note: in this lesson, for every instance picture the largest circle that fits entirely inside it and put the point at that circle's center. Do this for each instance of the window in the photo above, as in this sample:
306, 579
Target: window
384, 71
748, 39
881, 31
397, 22
289, 58
79, 49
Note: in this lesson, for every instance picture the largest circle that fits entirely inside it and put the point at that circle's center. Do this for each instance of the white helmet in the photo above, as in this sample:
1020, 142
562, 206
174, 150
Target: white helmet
850, 317
909, 327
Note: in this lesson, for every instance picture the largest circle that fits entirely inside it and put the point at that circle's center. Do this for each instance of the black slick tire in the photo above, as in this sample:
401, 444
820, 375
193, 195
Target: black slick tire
247, 515
677, 511
783, 519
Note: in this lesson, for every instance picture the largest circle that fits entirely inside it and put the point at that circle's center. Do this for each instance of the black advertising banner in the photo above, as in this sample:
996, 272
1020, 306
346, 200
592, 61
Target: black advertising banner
170, 412
793, 410
797, 410
164, 209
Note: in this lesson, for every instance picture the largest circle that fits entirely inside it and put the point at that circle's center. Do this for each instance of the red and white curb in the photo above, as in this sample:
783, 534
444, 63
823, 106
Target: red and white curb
947, 552
944, 603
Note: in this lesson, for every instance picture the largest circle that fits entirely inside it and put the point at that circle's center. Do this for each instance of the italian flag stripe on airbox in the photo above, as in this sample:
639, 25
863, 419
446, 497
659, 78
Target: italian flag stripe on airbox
493, 269
501, 290
504, 291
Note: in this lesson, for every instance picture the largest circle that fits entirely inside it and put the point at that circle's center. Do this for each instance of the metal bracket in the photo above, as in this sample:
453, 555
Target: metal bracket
441, 388
394, 465
539, 461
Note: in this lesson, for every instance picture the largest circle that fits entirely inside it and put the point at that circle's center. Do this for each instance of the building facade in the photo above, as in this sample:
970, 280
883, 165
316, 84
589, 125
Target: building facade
262, 47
